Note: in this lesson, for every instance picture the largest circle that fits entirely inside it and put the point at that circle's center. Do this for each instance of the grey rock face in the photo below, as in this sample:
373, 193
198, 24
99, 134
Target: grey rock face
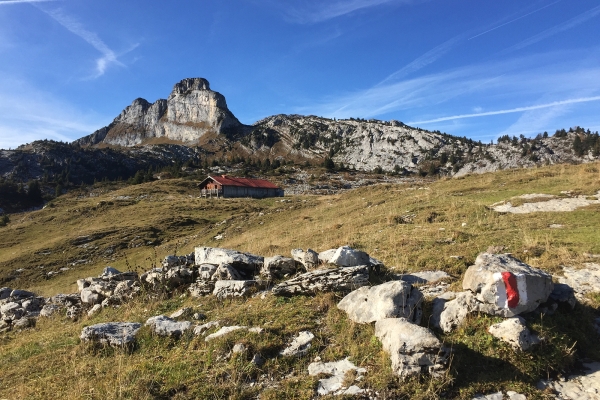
115, 334
514, 332
530, 286
583, 280
309, 258
324, 280
585, 386
325, 256
230, 289
277, 267
243, 262
299, 345
388, 300
165, 326
450, 309
49, 310
5, 293
336, 372
346, 256
412, 348
191, 111
201, 288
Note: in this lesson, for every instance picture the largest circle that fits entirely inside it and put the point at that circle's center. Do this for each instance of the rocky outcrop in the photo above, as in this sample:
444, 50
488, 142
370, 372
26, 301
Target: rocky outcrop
324, 280
245, 263
309, 258
388, 300
230, 288
115, 334
514, 332
277, 267
165, 326
190, 112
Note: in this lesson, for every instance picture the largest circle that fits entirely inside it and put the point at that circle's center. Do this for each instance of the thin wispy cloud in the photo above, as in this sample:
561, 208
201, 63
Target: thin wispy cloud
108, 58
511, 110
322, 11
513, 20
6, 2
573, 22
424, 60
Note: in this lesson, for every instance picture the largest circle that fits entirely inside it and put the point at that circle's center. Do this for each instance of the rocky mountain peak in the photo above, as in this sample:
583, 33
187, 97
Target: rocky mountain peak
187, 85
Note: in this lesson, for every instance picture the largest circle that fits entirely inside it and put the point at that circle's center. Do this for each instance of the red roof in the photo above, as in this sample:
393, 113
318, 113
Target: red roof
225, 180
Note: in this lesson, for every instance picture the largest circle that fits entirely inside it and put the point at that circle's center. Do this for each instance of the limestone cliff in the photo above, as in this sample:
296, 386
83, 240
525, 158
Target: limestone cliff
190, 112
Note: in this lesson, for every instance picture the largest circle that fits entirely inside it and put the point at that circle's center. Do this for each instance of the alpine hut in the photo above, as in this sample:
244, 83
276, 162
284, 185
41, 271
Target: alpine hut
228, 186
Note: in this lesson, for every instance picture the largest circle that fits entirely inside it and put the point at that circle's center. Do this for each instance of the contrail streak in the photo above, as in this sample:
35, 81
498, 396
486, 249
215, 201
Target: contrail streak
511, 21
512, 110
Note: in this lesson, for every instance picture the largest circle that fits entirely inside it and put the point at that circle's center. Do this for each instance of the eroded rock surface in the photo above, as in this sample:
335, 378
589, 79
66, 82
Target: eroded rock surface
514, 331
299, 345
412, 348
336, 372
165, 326
388, 300
324, 280
115, 334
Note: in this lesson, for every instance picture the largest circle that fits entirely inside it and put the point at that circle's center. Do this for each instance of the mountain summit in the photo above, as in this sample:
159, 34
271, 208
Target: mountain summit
191, 112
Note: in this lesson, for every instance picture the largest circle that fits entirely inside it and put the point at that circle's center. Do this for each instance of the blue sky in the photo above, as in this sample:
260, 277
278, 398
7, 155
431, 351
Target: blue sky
471, 68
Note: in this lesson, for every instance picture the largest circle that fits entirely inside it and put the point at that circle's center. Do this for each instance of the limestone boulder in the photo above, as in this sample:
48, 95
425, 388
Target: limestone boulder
309, 258
508, 286
277, 267
412, 348
90, 297
346, 256
451, 309
228, 272
325, 256
388, 300
206, 271
201, 288
230, 289
324, 280
246, 262
514, 331
165, 326
115, 334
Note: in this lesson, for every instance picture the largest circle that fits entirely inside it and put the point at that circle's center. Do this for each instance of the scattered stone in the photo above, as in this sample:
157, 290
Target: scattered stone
556, 226
165, 326
577, 387
584, 280
412, 348
258, 360
299, 345
256, 329
49, 309
551, 205
388, 300
200, 329
336, 371
238, 348
116, 334
325, 280
514, 332
346, 256
94, 310
506, 286
308, 258
230, 289
182, 312
223, 331
277, 267
499, 396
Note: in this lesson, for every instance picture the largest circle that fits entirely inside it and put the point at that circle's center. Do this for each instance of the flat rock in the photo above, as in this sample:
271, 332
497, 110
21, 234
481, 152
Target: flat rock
324, 280
299, 345
223, 331
584, 280
508, 286
230, 289
388, 300
585, 386
412, 348
336, 372
514, 332
115, 334
165, 326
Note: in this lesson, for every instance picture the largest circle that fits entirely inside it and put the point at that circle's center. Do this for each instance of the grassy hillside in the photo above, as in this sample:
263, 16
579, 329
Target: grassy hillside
409, 228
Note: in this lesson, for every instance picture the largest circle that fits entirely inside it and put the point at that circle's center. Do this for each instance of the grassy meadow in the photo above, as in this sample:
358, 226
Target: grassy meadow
134, 227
